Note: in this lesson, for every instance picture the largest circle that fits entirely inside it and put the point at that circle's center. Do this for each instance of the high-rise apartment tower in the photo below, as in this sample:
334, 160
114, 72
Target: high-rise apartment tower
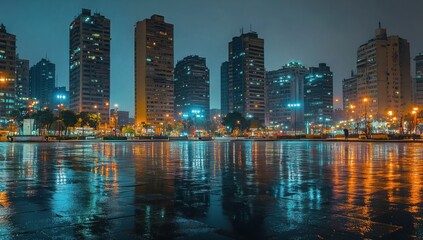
89, 64
153, 71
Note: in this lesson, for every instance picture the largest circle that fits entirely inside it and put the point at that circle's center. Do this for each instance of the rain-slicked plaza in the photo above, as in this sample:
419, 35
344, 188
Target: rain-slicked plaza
211, 190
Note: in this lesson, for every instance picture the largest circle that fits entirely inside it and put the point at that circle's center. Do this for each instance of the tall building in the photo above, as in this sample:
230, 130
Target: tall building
7, 74
89, 64
349, 93
246, 81
419, 79
318, 94
122, 116
224, 88
383, 69
285, 96
42, 82
22, 82
192, 89
153, 71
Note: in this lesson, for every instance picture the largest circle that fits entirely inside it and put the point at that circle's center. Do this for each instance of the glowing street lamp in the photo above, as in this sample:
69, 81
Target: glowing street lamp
115, 115
352, 107
365, 100
415, 110
295, 106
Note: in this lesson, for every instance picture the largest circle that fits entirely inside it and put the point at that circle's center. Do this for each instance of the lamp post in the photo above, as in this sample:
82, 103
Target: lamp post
115, 116
106, 123
295, 106
365, 117
60, 106
356, 117
390, 113
415, 119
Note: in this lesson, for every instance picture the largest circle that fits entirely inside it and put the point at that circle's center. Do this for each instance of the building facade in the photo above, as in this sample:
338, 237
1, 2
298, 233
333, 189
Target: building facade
153, 71
224, 88
89, 59
7, 74
285, 97
349, 93
318, 95
246, 76
384, 82
192, 89
22, 83
122, 116
418, 96
42, 82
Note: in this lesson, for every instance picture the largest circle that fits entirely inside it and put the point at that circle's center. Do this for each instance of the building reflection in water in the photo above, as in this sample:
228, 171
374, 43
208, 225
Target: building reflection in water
245, 189
383, 185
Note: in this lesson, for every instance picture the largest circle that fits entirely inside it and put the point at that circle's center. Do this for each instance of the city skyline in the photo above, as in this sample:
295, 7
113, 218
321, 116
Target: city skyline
333, 39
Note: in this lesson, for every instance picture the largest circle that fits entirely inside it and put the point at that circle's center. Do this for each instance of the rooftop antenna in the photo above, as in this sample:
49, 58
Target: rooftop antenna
242, 30
46, 56
380, 25
251, 27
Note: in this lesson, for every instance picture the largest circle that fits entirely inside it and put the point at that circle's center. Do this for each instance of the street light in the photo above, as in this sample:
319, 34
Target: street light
389, 121
115, 115
356, 117
295, 106
60, 106
415, 119
365, 117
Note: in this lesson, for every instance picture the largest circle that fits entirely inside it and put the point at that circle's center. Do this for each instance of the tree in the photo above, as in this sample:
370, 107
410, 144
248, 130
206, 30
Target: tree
58, 125
91, 119
128, 130
43, 119
69, 119
17, 116
235, 120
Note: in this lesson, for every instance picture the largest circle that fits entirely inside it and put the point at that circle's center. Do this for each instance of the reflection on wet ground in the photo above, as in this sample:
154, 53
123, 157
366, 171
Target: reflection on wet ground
211, 190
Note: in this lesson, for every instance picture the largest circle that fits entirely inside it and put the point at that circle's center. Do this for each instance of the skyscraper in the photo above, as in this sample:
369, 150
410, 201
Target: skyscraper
419, 79
318, 94
285, 96
192, 89
89, 64
7, 74
42, 82
22, 82
383, 69
224, 88
246, 76
153, 71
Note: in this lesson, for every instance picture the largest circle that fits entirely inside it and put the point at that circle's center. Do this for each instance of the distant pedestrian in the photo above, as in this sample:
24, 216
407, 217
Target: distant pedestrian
346, 134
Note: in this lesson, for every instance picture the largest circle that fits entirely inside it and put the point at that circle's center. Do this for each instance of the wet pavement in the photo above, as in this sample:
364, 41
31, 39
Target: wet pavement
211, 190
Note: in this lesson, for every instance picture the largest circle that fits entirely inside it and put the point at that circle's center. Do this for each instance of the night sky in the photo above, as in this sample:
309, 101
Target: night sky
306, 31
